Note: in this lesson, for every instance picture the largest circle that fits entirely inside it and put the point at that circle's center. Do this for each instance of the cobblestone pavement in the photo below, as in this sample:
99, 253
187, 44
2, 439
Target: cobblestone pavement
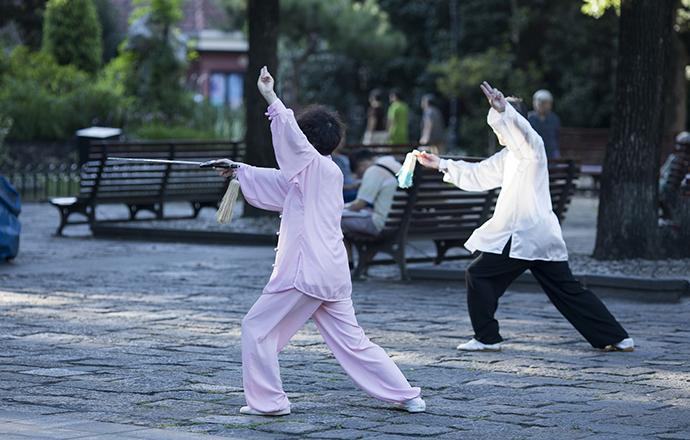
147, 334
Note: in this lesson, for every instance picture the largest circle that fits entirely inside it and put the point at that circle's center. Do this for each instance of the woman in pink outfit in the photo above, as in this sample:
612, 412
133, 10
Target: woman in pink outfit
311, 277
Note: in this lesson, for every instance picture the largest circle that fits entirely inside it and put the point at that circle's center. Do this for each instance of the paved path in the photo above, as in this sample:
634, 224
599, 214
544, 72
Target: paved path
146, 336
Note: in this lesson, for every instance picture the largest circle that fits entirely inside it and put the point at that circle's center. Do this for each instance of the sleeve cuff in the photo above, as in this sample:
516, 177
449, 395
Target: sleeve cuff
443, 166
275, 109
494, 117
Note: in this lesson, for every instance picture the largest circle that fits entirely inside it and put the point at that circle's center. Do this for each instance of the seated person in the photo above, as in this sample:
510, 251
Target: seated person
669, 187
367, 214
350, 183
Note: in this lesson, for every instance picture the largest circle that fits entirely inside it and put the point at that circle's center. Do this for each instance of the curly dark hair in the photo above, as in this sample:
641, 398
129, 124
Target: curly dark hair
322, 127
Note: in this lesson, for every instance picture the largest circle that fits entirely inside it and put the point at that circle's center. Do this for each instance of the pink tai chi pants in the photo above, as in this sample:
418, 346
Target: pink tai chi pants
275, 318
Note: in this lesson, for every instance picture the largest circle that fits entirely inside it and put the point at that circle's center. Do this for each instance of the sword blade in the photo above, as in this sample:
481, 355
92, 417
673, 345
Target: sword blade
132, 159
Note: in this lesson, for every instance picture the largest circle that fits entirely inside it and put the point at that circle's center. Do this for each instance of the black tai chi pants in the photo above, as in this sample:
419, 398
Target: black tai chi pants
489, 276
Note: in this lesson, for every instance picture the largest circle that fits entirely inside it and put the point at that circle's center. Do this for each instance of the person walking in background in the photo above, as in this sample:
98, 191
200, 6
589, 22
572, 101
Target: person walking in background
375, 132
398, 118
546, 122
433, 129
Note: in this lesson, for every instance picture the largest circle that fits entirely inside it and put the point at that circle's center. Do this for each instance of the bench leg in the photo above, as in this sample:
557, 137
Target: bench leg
441, 249
196, 208
364, 257
133, 209
158, 210
399, 257
67, 211
64, 215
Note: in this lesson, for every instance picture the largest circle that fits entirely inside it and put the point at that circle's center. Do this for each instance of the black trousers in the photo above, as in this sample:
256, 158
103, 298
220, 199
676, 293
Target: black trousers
489, 276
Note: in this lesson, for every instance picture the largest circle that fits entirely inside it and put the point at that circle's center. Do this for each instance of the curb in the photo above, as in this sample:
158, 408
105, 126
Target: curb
100, 230
632, 288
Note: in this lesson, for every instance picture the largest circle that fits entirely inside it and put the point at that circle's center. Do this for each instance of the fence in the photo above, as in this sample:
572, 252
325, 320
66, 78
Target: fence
40, 182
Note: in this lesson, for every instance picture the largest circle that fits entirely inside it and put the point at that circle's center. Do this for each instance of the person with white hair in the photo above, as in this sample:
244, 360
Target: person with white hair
546, 122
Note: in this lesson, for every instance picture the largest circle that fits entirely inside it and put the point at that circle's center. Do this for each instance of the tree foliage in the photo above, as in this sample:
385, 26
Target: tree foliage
342, 43
152, 64
597, 8
72, 33
48, 101
314, 32
28, 16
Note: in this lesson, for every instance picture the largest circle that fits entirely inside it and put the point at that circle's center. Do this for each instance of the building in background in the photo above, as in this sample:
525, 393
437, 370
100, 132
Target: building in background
217, 73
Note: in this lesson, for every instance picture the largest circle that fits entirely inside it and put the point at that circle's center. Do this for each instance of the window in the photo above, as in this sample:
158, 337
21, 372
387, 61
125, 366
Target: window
226, 88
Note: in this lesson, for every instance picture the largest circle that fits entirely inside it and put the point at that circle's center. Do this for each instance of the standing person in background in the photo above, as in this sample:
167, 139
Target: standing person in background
375, 132
433, 128
398, 119
546, 122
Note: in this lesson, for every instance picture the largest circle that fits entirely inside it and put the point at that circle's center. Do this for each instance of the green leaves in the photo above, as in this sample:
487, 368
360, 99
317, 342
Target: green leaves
48, 101
72, 33
597, 8
356, 29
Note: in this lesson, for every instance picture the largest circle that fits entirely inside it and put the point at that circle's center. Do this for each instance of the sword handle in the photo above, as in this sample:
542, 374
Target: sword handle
219, 165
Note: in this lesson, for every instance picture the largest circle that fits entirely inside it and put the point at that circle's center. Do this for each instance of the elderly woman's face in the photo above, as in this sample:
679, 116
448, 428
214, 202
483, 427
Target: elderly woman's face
543, 106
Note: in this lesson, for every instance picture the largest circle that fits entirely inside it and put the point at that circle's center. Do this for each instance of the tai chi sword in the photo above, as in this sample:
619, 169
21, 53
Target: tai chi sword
179, 162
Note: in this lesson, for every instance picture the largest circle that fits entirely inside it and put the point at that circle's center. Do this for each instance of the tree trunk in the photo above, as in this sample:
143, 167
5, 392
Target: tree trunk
262, 18
627, 225
676, 99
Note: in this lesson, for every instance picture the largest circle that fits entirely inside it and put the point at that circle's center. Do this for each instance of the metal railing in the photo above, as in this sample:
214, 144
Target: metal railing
40, 182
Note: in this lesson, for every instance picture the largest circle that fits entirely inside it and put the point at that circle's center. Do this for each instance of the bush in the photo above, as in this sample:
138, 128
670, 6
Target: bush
47, 101
204, 122
72, 33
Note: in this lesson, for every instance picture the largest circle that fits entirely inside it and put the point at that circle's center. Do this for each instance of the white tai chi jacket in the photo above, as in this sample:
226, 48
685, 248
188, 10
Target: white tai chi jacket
523, 209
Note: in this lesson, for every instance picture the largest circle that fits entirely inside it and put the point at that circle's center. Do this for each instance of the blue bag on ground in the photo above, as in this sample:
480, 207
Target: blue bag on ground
10, 228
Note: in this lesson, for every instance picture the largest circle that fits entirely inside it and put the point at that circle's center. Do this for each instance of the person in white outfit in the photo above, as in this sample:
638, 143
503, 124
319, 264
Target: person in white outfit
523, 233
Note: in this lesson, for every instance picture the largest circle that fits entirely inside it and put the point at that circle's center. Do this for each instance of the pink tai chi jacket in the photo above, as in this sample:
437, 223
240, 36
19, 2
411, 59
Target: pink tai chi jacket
307, 190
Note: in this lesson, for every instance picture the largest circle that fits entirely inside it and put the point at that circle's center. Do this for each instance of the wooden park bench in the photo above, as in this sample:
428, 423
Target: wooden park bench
442, 213
146, 187
587, 146
397, 150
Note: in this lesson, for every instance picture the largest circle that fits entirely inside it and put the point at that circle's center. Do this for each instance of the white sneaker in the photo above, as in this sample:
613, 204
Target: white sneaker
249, 411
415, 405
474, 345
626, 345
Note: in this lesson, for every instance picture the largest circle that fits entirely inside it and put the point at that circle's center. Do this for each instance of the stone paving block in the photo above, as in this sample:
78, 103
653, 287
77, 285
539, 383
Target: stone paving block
412, 428
55, 372
680, 435
340, 434
167, 434
288, 427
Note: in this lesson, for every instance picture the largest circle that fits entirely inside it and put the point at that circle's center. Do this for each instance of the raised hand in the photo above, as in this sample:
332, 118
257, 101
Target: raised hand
495, 97
265, 83
428, 160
